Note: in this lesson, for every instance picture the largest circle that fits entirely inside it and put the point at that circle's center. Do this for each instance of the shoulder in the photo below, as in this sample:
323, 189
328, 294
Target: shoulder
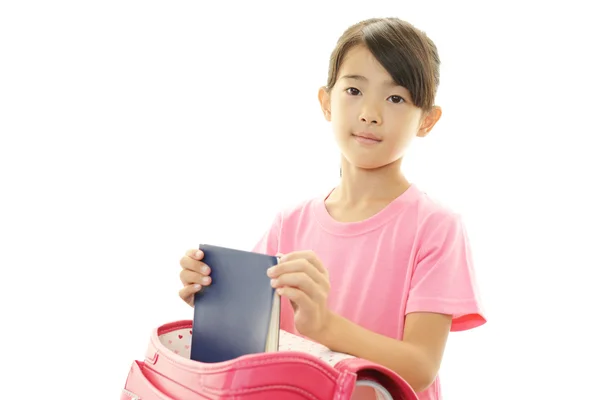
298, 211
279, 229
436, 228
440, 239
432, 215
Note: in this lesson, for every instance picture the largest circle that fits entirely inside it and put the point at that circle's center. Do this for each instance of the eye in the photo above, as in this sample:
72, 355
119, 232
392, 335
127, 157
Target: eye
353, 91
396, 99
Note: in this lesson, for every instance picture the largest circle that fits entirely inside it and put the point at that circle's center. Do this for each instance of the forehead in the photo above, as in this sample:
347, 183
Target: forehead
360, 61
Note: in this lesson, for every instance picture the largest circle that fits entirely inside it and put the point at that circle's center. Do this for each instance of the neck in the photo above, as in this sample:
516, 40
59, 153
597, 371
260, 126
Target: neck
359, 186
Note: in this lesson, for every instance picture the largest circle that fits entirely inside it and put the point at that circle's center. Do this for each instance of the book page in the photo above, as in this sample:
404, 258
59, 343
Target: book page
291, 342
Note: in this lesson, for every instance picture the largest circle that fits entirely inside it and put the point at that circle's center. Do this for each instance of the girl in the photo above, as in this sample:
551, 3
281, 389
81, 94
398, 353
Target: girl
375, 268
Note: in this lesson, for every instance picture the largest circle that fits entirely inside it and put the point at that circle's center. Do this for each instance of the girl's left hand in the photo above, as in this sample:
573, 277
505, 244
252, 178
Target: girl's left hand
301, 277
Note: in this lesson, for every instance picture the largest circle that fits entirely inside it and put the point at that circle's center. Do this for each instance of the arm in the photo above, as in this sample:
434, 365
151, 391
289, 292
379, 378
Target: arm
434, 308
442, 297
416, 358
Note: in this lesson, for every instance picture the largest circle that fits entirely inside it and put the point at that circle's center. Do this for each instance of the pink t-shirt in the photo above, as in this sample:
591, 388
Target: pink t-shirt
414, 255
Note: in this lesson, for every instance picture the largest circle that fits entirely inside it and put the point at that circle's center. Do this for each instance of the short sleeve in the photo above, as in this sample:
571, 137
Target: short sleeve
444, 279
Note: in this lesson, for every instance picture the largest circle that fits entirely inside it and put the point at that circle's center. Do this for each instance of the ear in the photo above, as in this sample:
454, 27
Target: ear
429, 120
325, 100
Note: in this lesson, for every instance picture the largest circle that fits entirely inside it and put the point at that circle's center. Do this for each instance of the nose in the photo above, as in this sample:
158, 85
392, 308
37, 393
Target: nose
370, 114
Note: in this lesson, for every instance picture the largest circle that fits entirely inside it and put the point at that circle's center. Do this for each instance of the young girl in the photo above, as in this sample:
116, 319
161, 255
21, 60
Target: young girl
375, 268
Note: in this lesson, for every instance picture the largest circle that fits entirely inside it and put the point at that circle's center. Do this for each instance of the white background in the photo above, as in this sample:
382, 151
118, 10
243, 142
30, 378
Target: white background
134, 130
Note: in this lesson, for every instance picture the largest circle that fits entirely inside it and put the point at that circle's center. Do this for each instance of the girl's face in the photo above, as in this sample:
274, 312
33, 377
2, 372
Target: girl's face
374, 120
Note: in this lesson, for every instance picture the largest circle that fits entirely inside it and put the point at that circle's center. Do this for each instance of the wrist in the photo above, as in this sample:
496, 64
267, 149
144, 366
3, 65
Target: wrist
328, 335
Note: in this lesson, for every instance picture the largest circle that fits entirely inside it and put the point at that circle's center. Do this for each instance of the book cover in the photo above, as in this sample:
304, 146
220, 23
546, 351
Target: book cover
238, 313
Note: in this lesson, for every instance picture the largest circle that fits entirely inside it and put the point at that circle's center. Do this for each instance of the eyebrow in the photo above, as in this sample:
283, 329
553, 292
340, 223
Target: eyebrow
362, 78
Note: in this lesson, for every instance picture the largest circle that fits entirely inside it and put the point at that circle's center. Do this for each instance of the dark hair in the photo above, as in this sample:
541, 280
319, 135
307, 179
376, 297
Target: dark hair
408, 55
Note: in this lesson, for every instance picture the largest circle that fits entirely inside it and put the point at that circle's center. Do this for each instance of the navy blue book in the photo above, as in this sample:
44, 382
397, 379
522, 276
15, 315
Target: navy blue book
238, 313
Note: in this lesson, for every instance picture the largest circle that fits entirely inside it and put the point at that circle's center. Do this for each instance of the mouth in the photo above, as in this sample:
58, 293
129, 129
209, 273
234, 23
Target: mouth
366, 138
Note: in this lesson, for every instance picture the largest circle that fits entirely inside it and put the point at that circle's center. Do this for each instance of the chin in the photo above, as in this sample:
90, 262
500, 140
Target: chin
366, 164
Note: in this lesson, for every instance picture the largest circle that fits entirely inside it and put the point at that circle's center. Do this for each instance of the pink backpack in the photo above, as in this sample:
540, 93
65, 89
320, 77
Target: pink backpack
301, 369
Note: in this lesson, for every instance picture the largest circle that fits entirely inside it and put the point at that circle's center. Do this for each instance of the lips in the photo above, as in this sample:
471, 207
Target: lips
366, 138
367, 135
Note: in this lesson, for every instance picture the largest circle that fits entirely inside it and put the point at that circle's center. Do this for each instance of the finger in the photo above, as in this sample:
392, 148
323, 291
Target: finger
300, 265
297, 296
194, 265
195, 254
189, 277
188, 292
307, 255
301, 281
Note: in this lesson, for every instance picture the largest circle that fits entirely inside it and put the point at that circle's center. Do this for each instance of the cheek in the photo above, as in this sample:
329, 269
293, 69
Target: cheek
338, 107
406, 122
343, 110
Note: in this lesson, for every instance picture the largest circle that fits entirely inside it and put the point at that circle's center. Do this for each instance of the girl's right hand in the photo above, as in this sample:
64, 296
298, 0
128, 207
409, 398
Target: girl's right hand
194, 275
